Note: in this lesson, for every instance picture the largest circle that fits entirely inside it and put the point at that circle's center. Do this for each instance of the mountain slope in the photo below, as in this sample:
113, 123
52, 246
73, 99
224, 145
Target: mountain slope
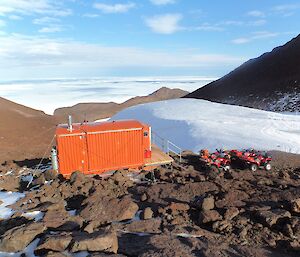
25, 132
95, 111
269, 82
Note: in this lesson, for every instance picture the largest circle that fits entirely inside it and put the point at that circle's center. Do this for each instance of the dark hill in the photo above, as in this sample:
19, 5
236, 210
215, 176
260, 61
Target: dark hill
269, 82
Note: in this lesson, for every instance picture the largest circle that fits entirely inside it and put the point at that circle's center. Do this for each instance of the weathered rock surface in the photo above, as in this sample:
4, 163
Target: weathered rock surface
56, 243
16, 239
209, 216
105, 210
147, 213
106, 241
270, 218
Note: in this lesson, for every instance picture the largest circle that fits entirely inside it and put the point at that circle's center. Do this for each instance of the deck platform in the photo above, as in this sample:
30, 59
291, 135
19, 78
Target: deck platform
158, 157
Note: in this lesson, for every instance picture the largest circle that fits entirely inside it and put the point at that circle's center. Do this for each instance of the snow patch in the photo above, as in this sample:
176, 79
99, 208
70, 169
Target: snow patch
36, 215
7, 199
196, 124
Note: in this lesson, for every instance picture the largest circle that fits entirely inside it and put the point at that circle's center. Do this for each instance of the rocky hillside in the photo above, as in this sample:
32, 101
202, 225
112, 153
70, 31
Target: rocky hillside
21, 127
95, 111
269, 82
185, 212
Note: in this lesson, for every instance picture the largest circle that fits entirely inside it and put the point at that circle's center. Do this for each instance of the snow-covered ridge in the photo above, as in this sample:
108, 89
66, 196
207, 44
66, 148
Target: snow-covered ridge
195, 124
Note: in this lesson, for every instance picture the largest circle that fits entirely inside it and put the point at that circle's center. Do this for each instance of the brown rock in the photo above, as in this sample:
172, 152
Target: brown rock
208, 203
178, 207
77, 178
147, 214
220, 226
56, 254
295, 205
143, 226
233, 198
40, 180
56, 243
50, 174
9, 183
105, 209
231, 213
144, 197
56, 218
59, 219
16, 239
204, 203
106, 241
270, 218
287, 230
209, 216
294, 245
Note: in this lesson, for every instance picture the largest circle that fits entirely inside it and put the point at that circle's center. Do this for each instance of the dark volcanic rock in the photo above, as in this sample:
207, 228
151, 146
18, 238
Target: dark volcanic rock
270, 82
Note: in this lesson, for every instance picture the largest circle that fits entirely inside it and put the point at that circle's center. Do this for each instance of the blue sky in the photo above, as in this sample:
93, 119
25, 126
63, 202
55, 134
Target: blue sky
76, 38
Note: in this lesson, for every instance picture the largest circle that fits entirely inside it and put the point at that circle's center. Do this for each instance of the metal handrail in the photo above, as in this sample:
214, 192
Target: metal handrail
166, 145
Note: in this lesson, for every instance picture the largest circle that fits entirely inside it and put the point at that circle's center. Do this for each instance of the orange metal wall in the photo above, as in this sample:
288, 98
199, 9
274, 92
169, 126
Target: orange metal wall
72, 154
99, 151
115, 150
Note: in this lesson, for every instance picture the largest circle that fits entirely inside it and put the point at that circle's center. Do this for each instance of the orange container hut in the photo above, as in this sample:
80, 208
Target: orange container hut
97, 147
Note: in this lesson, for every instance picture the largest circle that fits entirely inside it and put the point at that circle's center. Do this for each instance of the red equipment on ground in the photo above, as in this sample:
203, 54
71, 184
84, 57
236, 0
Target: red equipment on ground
217, 161
224, 160
252, 159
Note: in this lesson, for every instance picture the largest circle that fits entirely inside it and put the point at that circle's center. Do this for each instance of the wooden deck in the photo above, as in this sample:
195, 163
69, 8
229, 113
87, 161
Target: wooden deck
158, 157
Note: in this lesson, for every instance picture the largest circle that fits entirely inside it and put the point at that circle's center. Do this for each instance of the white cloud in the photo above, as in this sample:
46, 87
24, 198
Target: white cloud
45, 20
51, 29
31, 7
255, 36
286, 9
257, 22
162, 2
114, 8
90, 15
241, 40
256, 13
40, 55
15, 17
209, 27
164, 24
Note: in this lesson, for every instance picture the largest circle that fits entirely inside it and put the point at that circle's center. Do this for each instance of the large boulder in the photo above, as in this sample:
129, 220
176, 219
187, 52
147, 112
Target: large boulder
60, 219
103, 210
272, 217
16, 239
105, 241
56, 243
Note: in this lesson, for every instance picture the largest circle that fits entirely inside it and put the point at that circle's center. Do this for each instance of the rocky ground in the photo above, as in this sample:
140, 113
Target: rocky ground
184, 212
